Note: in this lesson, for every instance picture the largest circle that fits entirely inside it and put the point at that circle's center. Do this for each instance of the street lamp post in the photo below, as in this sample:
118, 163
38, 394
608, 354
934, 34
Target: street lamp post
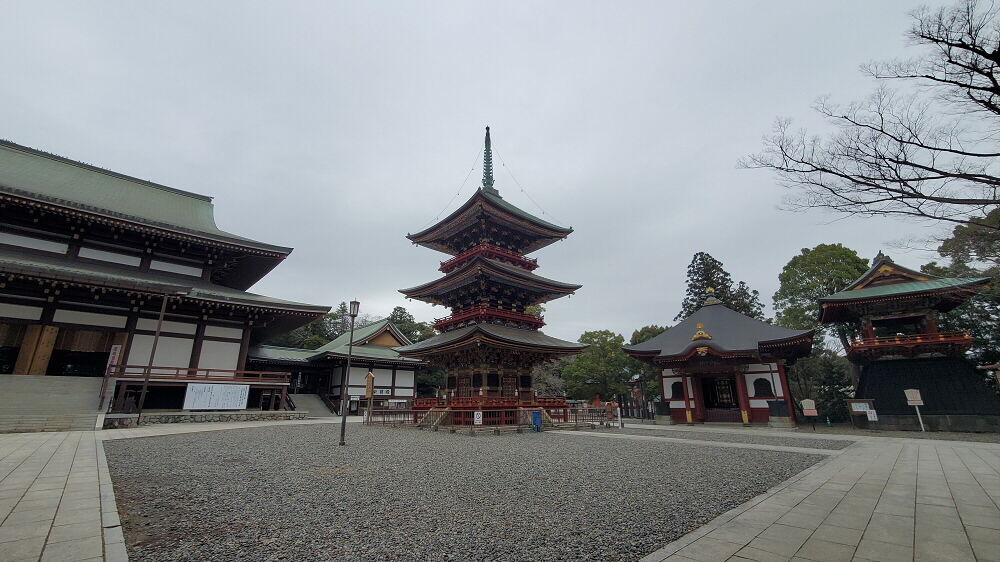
355, 305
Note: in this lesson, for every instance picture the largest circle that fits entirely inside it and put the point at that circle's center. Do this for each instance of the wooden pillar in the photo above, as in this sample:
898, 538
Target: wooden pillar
199, 339
28, 344
284, 398
699, 400
241, 365
743, 397
274, 394
687, 399
786, 390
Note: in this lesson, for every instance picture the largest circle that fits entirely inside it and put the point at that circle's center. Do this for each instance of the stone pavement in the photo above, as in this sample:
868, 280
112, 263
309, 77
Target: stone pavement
879, 499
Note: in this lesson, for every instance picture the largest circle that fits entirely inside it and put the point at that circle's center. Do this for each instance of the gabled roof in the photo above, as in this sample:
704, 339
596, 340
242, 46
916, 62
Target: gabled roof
720, 329
32, 174
490, 333
362, 348
480, 265
488, 201
280, 354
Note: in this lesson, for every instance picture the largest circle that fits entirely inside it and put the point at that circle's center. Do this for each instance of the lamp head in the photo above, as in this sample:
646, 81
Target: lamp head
355, 305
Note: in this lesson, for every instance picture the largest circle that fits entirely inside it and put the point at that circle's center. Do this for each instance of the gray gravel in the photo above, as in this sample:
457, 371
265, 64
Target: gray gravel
807, 442
290, 493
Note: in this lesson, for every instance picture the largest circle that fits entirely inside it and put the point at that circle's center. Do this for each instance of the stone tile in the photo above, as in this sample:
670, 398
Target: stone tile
839, 535
804, 520
935, 551
23, 531
751, 553
982, 534
781, 539
850, 521
825, 551
708, 549
890, 528
75, 531
73, 550
23, 549
115, 552
31, 505
985, 551
86, 503
77, 516
113, 535
31, 516
870, 549
980, 516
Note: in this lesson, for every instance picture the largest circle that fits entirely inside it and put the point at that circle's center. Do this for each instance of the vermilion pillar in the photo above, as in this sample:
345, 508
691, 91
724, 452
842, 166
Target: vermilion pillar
743, 397
787, 390
699, 400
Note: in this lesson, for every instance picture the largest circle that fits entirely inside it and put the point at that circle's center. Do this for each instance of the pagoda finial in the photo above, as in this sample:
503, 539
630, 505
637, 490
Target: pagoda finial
488, 166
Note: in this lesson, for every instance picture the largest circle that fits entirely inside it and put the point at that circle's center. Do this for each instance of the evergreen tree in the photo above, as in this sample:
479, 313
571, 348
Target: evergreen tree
603, 368
408, 325
649, 372
706, 272
824, 377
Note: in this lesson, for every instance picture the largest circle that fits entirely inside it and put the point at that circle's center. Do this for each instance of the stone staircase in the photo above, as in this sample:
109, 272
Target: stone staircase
313, 404
43, 403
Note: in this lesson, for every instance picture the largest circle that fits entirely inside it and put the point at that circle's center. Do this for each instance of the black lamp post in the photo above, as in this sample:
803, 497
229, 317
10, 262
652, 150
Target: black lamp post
355, 305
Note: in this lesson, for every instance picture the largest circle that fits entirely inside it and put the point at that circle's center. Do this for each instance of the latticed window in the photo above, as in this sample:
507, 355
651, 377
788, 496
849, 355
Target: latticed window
762, 387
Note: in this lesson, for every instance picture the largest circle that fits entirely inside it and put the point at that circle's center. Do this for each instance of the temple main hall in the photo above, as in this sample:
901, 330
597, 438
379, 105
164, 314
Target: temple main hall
490, 342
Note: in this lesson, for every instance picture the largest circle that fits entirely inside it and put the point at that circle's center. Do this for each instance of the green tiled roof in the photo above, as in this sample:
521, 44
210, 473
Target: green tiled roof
276, 353
905, 288
66, 269
33, 174
532, 338
363, 350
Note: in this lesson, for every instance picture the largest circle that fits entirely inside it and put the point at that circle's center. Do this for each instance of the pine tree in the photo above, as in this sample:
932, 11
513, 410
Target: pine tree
706, 272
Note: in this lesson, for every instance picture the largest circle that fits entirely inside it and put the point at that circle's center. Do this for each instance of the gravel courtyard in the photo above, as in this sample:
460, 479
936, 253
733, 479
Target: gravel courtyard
290, 493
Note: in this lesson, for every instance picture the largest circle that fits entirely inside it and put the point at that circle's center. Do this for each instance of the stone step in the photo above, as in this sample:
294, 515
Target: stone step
43, 403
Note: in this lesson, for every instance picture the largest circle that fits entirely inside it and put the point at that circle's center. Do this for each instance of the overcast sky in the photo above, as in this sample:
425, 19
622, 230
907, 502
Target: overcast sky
337, 128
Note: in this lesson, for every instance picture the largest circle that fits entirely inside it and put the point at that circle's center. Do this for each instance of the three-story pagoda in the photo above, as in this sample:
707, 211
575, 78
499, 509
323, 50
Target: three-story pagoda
490, 342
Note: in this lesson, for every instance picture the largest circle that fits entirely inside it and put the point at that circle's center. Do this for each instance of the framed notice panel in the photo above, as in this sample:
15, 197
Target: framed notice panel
206, 396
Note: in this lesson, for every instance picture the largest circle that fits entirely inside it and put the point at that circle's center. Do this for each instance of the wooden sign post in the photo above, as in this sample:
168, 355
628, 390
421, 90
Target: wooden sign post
809, 410
913, 399
862, 407
369, 394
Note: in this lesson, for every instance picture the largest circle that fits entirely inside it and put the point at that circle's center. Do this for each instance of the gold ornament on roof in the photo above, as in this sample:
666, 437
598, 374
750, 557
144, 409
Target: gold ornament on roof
701, 334
702, 351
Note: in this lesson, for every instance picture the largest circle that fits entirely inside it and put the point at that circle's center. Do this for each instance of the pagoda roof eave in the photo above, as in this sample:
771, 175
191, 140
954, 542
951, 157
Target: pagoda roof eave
466, 273
837, 307
545, 232
530, 340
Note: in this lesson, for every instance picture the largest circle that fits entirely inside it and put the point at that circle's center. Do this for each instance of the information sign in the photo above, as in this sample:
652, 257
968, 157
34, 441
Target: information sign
810, 413
913, 397
872, 416
808, 404
477, 418
859, 407
201, 396
114, 356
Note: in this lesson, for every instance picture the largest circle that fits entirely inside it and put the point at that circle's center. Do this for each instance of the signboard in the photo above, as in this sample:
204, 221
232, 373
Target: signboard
206, 396
477, 418
369, 385
872, 416
913, 397
810, 413
113, 356
382, 392
808, 404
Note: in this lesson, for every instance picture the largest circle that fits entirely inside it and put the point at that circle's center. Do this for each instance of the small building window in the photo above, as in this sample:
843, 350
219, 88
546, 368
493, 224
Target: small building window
762, 387
677, 391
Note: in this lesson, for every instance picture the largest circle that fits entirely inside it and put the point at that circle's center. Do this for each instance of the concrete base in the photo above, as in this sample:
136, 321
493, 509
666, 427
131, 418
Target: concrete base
664, 420
779, 422
121, 421
972, 424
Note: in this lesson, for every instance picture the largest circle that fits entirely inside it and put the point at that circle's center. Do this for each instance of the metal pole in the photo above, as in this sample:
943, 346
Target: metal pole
343, 387
152, 353
920, 418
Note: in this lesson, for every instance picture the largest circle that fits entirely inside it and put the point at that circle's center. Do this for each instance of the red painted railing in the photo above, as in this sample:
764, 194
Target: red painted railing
938, 337
486, 314
490, 251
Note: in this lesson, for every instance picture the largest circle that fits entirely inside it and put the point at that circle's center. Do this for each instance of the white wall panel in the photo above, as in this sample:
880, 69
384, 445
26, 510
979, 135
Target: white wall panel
168, 326
170, 352
404, 378
33, 243
20, 311
89, 318
404, 392
758, 404
222, 332
358, 375
678, 404
175, 268
219, 355
383, 377
113, 257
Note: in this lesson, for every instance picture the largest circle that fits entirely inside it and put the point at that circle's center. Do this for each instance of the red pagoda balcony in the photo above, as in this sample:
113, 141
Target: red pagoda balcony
492, 252
487, 314
946, 343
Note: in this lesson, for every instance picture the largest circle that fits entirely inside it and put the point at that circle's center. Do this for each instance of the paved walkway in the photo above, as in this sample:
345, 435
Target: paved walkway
879, 499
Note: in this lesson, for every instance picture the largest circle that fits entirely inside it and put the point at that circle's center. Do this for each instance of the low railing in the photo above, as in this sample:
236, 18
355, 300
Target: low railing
937, 337
395, 417
484, 313
524, 399
138, 372
493, 417
489, 251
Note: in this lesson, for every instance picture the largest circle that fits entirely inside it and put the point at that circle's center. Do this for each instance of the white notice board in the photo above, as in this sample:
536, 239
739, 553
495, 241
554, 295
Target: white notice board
207, 396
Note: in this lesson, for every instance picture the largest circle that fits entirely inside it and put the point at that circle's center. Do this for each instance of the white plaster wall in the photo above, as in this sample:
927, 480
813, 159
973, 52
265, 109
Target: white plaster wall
89, 318
168, 326
358, 375
170, 352
383, 377
113, 257
219, 355
404, 391
404, 378
33, 243
175, 268
223, 332
20, 311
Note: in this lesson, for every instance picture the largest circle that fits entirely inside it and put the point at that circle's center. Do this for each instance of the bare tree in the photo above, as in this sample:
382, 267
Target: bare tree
930, 152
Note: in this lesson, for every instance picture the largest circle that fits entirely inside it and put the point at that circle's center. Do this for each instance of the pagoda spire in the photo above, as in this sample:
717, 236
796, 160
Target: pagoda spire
488, 166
